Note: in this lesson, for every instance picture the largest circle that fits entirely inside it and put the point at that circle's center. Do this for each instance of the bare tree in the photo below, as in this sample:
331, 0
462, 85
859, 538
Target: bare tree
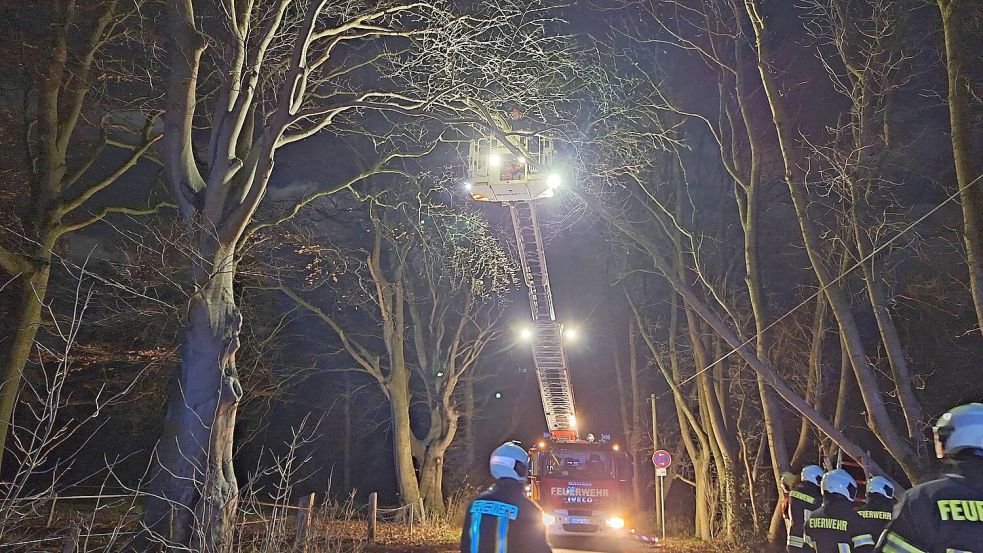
257, 76
430, 282
84, 119
957, 17
879, 418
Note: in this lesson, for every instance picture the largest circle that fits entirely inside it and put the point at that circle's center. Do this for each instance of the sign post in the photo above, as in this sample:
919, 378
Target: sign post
662, 460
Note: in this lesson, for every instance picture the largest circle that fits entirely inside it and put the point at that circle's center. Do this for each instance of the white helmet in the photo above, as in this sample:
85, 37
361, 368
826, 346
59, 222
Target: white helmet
959, 430
880, 485
839, 481
509, 460
812, 473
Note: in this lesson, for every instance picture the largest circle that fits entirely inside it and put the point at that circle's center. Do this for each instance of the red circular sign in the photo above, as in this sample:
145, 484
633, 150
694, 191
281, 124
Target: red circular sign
661, 459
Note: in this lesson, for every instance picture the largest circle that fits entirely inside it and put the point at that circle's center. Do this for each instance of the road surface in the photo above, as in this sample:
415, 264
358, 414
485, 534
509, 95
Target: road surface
582, 545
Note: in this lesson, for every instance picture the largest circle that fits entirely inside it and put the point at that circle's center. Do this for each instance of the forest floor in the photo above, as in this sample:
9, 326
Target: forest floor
108, 531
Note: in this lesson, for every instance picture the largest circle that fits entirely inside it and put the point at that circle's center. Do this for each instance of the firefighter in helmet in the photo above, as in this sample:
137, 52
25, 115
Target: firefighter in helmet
502, 519
835, 527
876, 510
945, 515
803, 498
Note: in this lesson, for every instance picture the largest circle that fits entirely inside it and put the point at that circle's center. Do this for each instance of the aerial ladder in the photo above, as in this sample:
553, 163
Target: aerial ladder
583, 486
517, 174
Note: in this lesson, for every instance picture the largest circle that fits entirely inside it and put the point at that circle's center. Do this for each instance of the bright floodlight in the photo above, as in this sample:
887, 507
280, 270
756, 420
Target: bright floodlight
571, 334
525, 333
498, 395
494, 160
467, 186
553, 180
573, 421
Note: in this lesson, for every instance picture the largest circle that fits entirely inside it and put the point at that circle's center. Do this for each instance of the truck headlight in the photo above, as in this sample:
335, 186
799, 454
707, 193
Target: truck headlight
615, 522
548, 519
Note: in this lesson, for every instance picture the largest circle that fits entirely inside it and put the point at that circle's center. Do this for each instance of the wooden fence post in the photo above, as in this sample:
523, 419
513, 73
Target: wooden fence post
305, 508
373, 513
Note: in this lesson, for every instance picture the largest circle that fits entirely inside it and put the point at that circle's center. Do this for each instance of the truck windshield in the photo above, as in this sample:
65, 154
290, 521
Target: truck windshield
578, 464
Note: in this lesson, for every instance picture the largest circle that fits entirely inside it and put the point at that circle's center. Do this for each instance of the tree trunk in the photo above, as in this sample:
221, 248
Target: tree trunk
347, 452
900, 371
468, 413
33, 290
193, 486
815, 381
844, 396
773, 420
629, 395
879, 419
702, 523
958, 51
722, 443
399, 402
689, 426
637, 456
432, 479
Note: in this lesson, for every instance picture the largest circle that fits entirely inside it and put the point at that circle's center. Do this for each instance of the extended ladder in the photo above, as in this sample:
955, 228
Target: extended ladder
550, 359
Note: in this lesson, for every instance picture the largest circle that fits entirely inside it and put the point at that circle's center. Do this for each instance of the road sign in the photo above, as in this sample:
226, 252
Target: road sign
661, 472
661, 459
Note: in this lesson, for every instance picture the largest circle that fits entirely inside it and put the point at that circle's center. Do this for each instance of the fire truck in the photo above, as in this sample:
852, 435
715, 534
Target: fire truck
583, 485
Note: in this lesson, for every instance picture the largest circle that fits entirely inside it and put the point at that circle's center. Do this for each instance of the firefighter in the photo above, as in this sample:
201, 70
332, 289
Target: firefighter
835, 527
502, 519
945, 515
876, 510
802, 499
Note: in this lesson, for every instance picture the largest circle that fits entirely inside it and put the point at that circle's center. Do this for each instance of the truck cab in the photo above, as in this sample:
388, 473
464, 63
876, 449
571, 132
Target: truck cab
584, 488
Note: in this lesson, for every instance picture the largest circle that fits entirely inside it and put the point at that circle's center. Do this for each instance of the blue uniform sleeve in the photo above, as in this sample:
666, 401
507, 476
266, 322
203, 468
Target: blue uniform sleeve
466, 531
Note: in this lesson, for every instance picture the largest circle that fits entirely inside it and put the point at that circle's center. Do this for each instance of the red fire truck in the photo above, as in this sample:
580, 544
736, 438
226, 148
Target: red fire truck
583, 487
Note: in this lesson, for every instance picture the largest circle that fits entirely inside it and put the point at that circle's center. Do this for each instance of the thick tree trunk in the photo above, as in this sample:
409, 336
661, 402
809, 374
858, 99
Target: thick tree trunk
432, 480
399, 402
193, 486
958, 52
33, 291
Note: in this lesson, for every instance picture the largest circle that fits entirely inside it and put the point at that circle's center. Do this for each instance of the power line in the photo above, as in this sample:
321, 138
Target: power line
834, 281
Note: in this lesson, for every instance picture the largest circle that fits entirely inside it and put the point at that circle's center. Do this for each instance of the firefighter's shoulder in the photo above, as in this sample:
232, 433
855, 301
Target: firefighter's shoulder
940, 489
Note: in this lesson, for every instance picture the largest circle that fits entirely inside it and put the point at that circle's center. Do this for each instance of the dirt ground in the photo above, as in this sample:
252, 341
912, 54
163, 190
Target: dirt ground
671, 546
327, 535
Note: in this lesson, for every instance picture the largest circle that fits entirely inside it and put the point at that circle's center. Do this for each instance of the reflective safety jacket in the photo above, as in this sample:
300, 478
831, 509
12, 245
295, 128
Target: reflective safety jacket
803, 498
877, 512
942, 516
836, 528
503, 520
